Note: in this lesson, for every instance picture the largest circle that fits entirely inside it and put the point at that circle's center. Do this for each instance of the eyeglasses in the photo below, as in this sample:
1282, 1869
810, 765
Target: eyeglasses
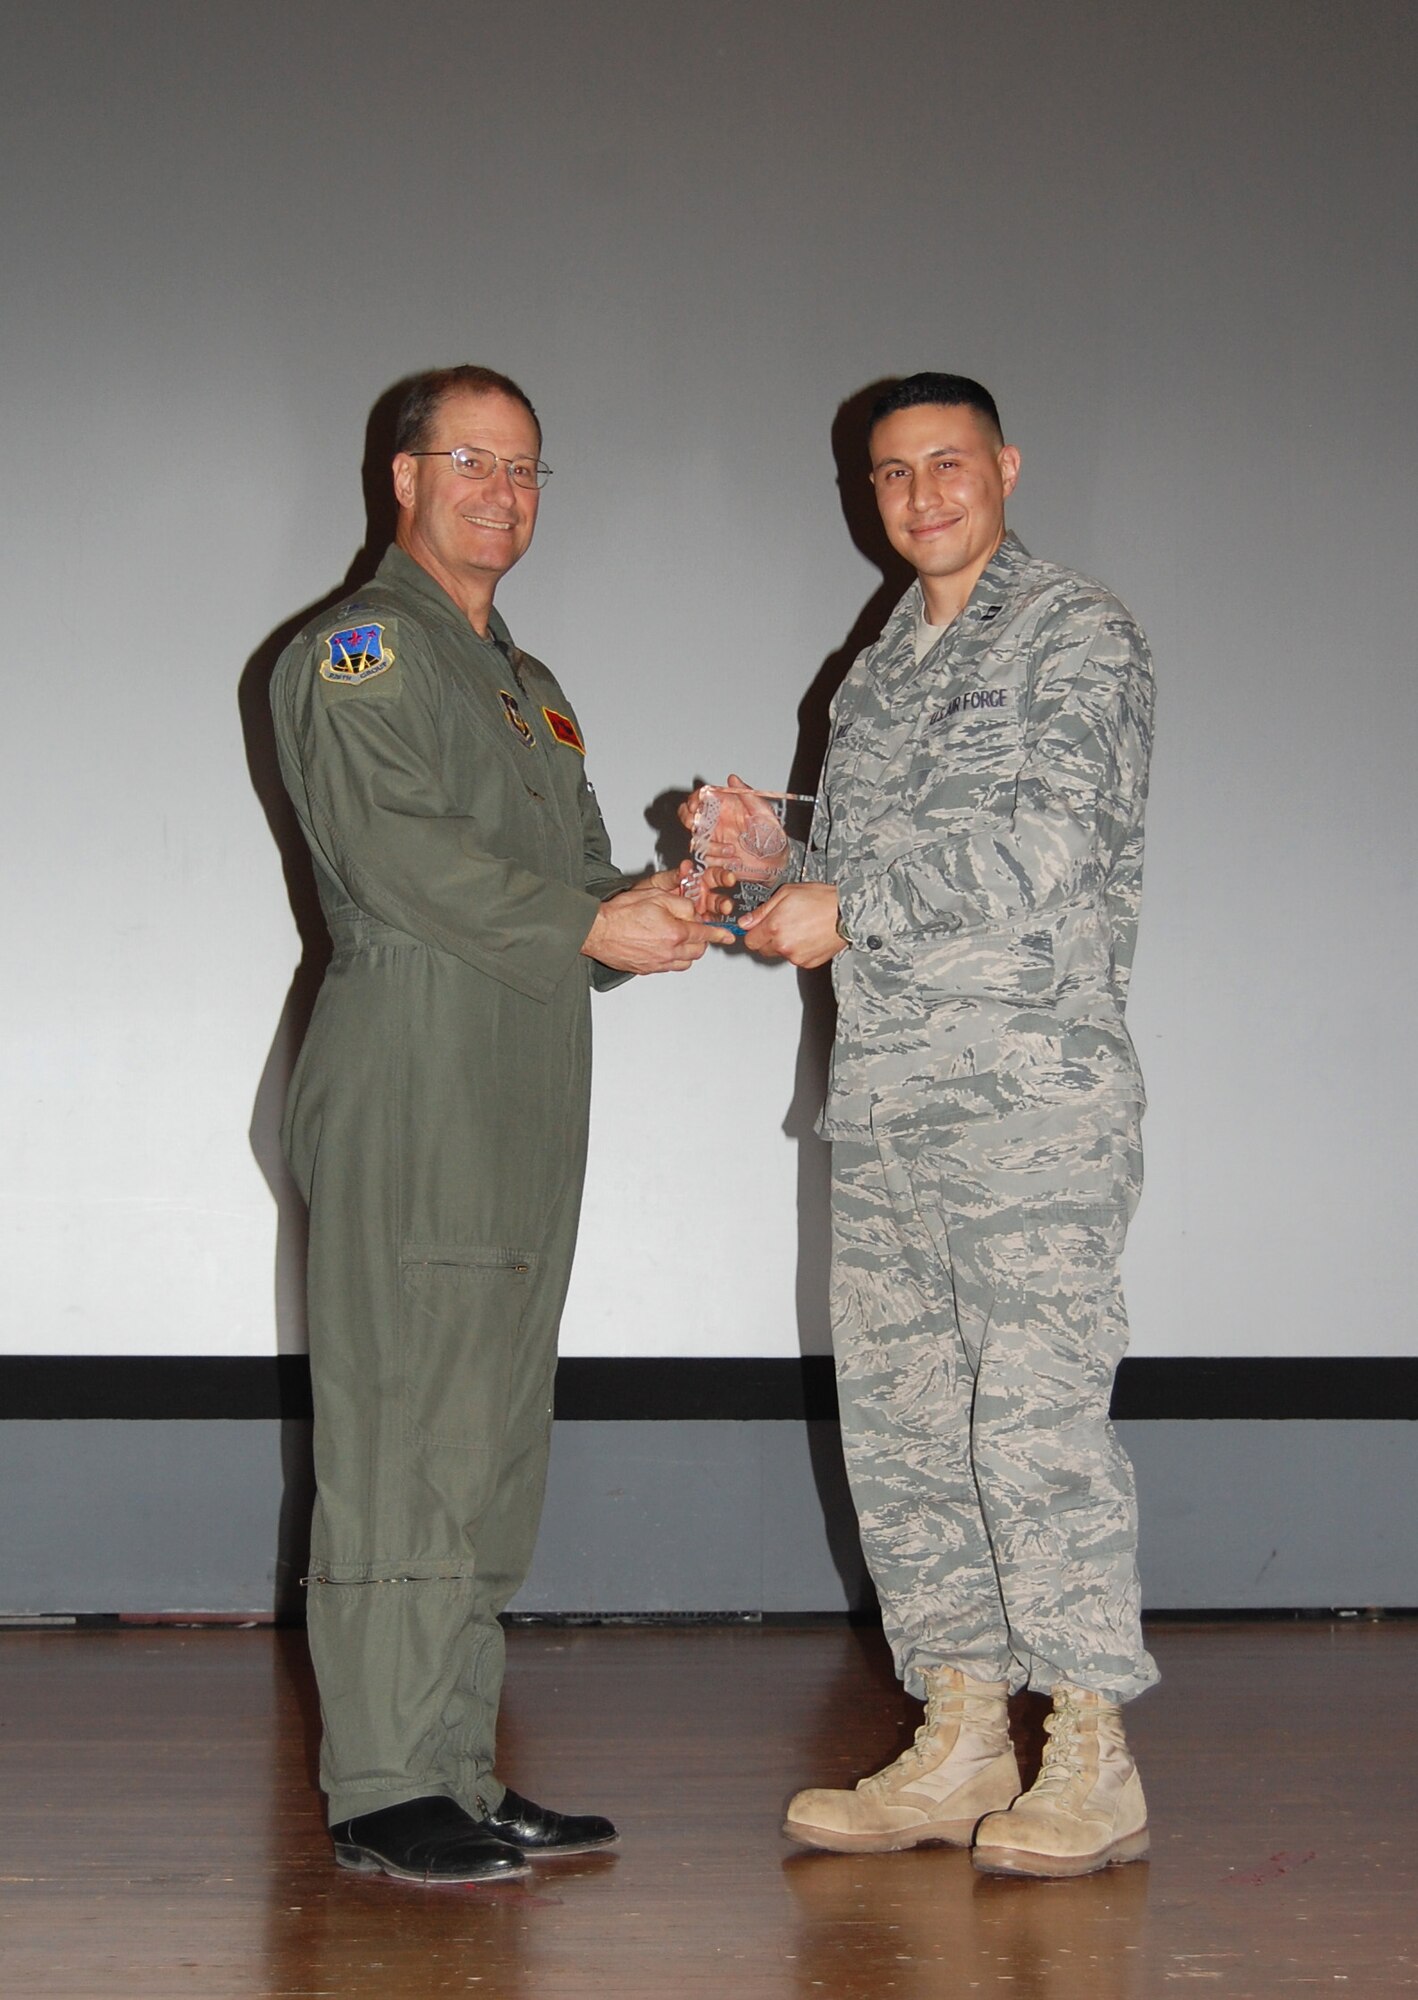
475, 463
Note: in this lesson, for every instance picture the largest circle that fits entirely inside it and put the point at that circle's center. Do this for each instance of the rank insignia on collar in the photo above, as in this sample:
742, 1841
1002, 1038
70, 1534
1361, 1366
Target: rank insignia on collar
515, 716
355, 653
564, 730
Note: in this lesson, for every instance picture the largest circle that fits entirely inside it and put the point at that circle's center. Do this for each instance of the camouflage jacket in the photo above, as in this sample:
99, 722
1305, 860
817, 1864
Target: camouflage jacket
981, 817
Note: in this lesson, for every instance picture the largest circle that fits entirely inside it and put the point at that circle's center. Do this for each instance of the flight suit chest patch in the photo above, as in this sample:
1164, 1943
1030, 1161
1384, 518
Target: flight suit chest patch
356, 653
515, 718
564, 730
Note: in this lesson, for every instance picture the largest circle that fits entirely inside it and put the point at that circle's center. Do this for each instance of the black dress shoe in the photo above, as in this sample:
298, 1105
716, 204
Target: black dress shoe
540, 1833
430, 1841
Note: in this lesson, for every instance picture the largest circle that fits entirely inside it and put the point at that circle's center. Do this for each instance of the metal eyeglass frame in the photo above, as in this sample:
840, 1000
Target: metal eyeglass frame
462, 453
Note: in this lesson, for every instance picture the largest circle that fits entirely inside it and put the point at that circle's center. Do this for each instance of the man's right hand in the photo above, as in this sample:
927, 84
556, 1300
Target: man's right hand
650, 931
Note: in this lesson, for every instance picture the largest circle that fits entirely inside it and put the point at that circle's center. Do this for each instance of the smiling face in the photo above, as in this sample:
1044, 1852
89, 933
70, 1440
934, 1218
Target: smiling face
467, 533
941, 477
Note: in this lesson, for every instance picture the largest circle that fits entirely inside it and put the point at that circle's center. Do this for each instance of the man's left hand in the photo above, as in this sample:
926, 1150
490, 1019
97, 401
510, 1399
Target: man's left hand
798, 922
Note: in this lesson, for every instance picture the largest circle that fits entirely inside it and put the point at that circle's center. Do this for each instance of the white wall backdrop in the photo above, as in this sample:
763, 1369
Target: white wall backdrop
1175, 239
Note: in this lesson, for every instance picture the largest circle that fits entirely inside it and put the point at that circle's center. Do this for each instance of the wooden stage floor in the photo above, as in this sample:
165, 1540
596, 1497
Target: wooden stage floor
161, 1835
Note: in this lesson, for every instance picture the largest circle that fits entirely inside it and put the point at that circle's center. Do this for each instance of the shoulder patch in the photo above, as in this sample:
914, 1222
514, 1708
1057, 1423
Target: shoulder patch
564, 730
515, 716
355, 653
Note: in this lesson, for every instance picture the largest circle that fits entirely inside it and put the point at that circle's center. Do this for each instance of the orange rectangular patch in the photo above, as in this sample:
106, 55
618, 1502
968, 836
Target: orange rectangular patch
564, 730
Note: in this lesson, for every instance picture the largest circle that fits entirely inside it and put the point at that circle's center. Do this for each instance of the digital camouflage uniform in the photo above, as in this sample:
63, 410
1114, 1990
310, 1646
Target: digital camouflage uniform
981, 817
437, 1126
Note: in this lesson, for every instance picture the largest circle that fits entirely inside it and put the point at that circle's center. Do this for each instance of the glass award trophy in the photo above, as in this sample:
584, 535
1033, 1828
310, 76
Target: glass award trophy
759, 838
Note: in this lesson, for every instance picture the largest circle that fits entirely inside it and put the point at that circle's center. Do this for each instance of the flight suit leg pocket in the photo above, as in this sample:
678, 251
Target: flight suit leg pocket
461, 1309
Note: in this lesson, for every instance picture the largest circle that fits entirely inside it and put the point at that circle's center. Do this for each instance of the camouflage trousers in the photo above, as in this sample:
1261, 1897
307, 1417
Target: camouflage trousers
978, 1321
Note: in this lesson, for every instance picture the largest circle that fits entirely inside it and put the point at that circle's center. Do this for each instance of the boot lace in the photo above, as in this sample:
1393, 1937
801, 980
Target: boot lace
949, 1707
943, 1707
1064, 1755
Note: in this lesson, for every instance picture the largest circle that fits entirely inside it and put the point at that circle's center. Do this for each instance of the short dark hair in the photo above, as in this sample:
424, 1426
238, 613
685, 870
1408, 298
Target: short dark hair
427, 393
950, 390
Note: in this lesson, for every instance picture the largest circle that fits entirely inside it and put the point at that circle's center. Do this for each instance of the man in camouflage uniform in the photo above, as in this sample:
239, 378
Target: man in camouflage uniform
974, 871
437, 1127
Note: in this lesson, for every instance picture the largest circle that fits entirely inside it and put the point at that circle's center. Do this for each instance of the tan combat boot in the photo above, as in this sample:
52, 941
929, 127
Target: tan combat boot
960, 1766
1084, 1811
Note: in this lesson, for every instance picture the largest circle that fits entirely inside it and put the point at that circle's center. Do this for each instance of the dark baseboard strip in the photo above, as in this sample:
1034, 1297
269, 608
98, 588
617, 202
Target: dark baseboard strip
867, 1616
188, 1388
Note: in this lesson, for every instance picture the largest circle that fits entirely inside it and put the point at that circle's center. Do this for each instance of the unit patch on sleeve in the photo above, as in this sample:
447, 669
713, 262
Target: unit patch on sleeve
355, 653
564, 730
515, 716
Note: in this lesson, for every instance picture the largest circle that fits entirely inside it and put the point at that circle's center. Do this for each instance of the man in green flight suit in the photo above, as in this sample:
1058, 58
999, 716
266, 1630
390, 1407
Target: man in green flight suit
436, 1125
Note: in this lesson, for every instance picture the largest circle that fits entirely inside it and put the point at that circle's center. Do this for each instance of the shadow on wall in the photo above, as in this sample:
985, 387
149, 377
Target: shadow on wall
254, 702
819, 1014
854, 493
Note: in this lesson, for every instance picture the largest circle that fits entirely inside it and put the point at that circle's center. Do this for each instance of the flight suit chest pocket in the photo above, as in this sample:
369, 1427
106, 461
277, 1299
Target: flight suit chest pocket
502, 790
461, 1312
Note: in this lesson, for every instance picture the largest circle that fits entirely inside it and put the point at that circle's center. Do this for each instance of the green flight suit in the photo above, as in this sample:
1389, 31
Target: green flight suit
436, 1125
